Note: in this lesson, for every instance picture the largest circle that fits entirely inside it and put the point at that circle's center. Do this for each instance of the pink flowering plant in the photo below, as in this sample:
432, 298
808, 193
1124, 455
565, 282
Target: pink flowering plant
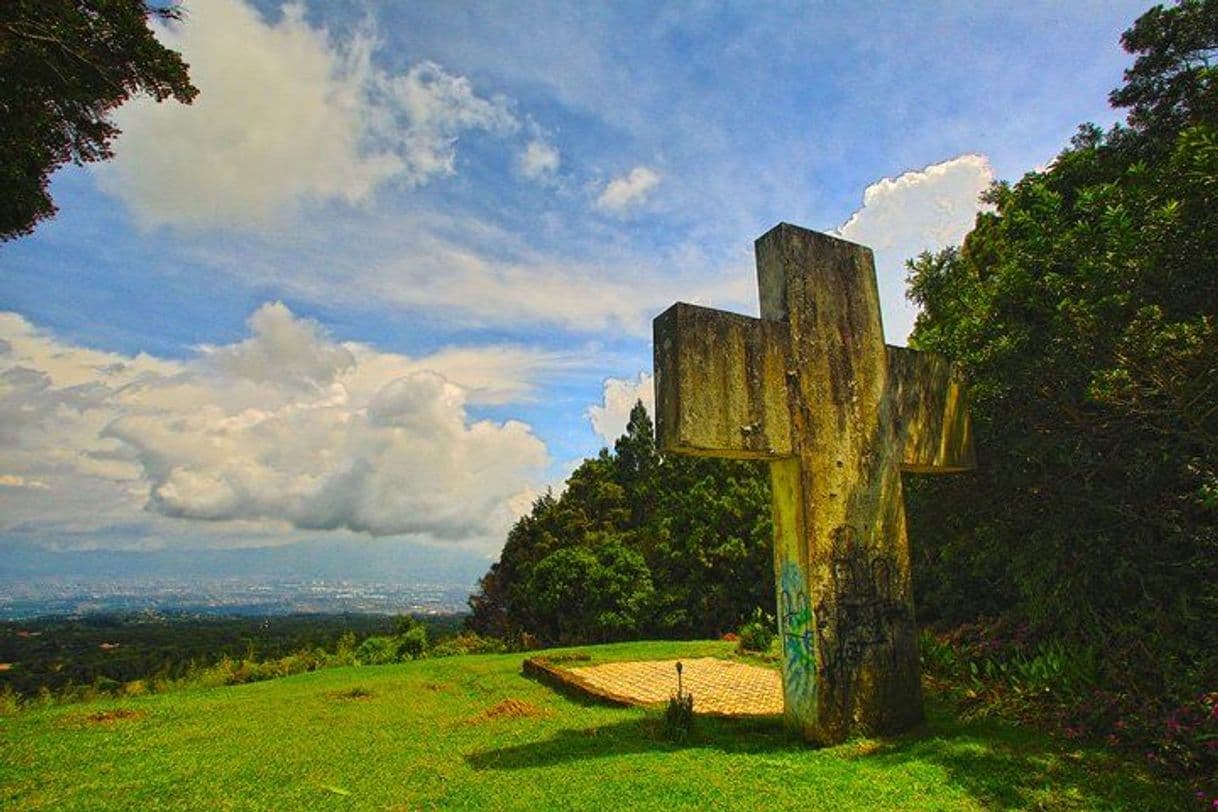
1000, 668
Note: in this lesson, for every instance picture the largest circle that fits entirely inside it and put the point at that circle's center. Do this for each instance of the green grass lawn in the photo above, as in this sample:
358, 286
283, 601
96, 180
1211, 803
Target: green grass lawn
417, 736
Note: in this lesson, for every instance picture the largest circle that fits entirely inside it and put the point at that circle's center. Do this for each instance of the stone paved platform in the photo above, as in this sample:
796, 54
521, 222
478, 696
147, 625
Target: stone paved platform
720, 687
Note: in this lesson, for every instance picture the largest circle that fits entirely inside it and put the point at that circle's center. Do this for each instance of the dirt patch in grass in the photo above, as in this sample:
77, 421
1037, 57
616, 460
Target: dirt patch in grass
437, 686
107, 718
112, 716
357, 693
510, 709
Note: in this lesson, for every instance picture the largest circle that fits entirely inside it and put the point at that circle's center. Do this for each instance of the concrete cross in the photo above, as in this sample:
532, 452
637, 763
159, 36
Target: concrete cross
812, 388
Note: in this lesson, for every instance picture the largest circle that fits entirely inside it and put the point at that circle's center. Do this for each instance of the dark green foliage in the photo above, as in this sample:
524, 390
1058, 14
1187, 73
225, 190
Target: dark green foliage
467, 642
1084, 310
679, 713
1000, 663
55, 653
64, 66
377, 651
1173, 83
714, 545
595, 593
638, 544
996, 668
758, 634
412, 643
679, 717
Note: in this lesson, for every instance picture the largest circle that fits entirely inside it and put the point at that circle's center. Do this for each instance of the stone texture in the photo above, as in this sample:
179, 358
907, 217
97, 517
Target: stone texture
812, 387
724, 377
931, 412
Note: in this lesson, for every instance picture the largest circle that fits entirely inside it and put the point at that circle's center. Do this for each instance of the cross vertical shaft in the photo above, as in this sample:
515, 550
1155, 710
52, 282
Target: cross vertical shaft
840, 550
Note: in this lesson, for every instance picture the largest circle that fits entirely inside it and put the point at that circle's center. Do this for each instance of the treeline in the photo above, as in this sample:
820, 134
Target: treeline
56, 654
638, 544
1083, 309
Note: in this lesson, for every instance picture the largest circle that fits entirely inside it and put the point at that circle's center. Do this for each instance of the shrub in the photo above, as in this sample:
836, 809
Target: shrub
995, 669
679, 717
757, 634
679, 713
377, 651
243, 671
344, 650
106, 685
1177, 737
136, 687
405, 623
413, 643
469, 643
1001, 655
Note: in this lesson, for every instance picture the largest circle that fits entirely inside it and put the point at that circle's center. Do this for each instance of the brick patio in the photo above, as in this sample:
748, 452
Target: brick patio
720, 687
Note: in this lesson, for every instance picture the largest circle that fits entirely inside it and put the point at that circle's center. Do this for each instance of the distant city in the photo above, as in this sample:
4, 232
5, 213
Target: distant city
226, 596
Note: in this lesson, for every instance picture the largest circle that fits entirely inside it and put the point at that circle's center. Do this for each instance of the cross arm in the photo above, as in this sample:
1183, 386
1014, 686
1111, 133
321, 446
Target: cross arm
931, 408
720, 382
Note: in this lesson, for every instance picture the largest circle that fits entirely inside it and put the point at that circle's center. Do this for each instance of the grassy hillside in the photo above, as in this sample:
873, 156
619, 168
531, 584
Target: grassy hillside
426, 734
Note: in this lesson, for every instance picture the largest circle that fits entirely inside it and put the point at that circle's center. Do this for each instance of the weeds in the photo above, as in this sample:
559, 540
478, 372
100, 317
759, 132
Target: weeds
679, 713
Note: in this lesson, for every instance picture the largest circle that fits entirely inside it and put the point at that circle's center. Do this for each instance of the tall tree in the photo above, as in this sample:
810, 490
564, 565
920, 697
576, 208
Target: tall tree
64, 66
1085, 310
637, 464
1173, 83
582, 567
712, 545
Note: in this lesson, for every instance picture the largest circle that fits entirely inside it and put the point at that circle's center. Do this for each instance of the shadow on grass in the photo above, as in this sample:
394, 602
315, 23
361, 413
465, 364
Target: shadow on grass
638, 735
1008, 767
999, 765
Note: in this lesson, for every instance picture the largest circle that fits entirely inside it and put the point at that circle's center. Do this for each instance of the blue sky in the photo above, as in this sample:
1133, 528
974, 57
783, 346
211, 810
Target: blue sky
394, 272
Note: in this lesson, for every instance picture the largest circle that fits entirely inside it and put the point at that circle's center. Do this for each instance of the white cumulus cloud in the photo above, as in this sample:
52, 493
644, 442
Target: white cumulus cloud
628, 190
286, 113
539, 160
287, 427
610, 416
901, 217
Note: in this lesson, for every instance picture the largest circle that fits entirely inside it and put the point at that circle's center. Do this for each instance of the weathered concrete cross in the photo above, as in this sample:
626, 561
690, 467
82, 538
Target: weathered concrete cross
811, 387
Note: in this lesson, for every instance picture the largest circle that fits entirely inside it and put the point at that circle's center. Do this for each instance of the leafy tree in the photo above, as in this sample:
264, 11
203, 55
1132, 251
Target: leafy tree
1084, 310
713, 546
583, 594
64, 66
377, 651
637, 464
582, 567
412, 643
402, 624
498, 607
594, 501
1173, 83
